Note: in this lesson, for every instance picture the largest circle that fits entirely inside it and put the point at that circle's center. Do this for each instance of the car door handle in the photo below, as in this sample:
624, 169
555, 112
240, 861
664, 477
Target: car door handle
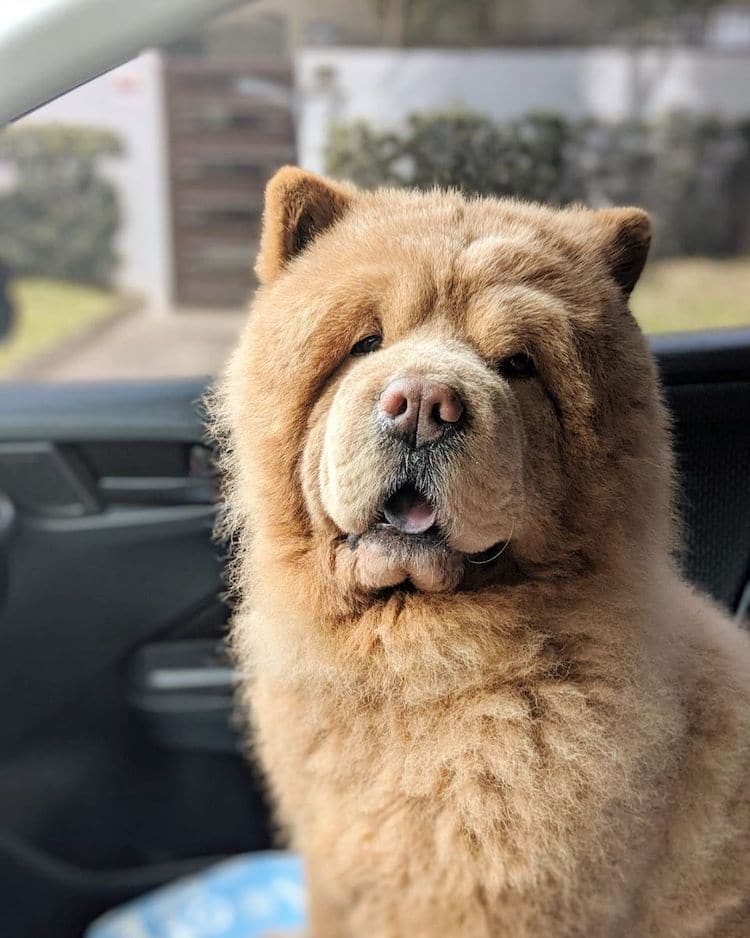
157, 490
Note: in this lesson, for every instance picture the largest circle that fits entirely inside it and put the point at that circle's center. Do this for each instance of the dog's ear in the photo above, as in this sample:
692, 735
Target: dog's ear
624, 236
298, 207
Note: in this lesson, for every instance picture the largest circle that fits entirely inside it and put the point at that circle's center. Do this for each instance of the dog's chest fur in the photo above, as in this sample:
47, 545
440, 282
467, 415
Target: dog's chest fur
485, 796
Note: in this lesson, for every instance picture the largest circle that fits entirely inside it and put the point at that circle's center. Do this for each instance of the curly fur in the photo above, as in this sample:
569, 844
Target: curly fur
555, 743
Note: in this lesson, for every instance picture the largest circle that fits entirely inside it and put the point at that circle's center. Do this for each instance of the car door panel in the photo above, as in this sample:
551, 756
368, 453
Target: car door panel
107, 504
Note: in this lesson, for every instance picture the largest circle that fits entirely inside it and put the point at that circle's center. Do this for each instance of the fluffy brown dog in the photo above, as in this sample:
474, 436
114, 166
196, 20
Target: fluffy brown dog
485, 701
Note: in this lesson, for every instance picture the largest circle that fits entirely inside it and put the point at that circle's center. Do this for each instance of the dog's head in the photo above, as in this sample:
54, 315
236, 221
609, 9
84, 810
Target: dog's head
442, 385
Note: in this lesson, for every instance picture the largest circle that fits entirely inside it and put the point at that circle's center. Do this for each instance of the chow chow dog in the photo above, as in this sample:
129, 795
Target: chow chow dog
485, 702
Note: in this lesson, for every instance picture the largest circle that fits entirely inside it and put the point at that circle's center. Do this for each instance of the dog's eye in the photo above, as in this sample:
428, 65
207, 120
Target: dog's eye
370, 343
519, 365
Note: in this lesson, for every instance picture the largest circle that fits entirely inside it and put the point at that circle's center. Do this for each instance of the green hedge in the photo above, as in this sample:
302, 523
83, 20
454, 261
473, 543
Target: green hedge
59, 219
692, 173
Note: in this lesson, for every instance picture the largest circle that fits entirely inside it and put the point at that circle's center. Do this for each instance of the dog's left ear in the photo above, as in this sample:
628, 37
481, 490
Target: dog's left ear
624, 236
298, 207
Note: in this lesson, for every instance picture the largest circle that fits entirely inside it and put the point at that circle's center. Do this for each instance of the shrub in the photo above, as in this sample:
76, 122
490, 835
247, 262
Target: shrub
457, 148
60, 218
692, 173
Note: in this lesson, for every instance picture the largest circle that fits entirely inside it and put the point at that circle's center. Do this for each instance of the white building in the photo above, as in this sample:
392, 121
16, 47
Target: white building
129, 101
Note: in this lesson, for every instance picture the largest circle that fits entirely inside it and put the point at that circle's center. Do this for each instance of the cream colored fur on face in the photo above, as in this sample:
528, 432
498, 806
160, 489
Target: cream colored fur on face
557, 744
479, 489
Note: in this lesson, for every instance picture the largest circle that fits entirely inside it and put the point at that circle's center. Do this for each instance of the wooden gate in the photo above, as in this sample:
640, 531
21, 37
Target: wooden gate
230, 126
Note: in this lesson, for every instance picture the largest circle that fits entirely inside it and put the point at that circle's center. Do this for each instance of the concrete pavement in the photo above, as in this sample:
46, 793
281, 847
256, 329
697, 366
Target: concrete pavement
144, 345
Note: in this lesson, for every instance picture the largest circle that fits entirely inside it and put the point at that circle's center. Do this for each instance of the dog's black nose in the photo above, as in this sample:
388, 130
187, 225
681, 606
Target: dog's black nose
418, 410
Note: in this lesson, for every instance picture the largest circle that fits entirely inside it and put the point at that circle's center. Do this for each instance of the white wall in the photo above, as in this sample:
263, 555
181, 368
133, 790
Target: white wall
129, 101
384, 85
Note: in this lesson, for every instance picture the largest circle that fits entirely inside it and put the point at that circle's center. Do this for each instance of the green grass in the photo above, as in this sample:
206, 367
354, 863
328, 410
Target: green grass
49, 312
693, 293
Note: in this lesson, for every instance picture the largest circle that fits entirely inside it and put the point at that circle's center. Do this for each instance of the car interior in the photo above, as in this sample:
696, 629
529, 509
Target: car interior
112, 624
124, 765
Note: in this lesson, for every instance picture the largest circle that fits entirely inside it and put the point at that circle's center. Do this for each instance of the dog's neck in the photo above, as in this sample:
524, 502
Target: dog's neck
400, 641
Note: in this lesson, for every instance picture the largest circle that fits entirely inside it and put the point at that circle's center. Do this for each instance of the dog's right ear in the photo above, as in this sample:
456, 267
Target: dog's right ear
299, 206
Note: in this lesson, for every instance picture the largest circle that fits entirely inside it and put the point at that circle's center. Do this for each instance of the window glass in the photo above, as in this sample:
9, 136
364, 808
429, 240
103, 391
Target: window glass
130, 207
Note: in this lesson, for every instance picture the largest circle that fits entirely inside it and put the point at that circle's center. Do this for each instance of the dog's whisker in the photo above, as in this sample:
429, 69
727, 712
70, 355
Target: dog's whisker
498, 554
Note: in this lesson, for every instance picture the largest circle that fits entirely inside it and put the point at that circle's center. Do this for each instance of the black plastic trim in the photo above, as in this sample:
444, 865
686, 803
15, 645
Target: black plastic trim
714, 356
106, 411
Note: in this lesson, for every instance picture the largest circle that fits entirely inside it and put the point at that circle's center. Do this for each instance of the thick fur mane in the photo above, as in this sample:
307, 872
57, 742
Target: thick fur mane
553, 741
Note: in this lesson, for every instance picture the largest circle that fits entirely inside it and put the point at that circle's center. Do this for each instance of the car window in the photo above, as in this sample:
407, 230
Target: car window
130, 207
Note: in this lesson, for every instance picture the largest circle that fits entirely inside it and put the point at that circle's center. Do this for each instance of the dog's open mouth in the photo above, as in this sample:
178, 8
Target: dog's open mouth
407, 547
411, 517
410, 512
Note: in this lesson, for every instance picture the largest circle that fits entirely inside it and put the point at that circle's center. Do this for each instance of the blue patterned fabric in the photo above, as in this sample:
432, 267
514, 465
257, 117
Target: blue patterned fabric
245, 897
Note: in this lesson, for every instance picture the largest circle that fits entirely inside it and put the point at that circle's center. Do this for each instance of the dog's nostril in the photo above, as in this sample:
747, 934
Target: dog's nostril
393, 401
448, 408
401, 407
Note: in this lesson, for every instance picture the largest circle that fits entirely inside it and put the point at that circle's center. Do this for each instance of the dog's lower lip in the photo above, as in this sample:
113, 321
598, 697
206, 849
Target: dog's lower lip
427, 539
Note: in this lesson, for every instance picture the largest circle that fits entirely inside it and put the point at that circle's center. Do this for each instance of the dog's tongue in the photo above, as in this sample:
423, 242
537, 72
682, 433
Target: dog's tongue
409, 511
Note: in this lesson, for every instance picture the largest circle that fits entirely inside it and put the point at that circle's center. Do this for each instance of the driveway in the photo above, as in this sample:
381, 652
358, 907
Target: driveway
145, 345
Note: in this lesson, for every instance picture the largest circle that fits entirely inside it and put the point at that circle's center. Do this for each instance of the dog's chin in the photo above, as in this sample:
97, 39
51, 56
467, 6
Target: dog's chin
388, 558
